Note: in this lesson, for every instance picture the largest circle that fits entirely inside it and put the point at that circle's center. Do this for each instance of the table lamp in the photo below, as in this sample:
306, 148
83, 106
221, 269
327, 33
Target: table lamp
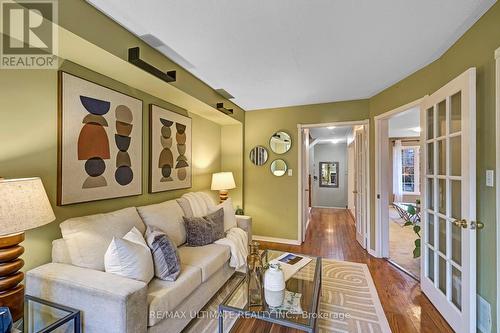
24, 205
222, 182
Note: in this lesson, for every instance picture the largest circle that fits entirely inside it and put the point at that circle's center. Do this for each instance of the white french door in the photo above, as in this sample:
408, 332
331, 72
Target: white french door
304, 133
448, 274
360, 185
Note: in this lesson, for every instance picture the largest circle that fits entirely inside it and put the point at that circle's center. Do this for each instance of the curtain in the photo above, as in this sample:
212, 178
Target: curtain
397, 173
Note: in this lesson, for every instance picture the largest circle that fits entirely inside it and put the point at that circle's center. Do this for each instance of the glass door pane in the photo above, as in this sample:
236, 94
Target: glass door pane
443, 241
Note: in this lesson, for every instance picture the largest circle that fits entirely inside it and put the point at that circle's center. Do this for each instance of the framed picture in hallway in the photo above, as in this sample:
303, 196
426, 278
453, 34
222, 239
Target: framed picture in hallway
99, 142
329, 174
170, 142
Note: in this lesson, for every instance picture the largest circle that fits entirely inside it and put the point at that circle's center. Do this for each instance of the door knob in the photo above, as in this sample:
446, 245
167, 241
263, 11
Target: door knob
476, 225
460, 223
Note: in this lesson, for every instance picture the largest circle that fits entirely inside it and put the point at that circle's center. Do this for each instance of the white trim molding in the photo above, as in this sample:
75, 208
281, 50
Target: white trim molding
497, 130
276, 240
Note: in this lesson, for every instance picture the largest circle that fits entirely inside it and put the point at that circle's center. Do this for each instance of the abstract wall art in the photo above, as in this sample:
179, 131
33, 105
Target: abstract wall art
170, 150
100, 142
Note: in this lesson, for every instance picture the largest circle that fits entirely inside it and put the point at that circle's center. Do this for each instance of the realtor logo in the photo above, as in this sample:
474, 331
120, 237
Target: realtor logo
29, 36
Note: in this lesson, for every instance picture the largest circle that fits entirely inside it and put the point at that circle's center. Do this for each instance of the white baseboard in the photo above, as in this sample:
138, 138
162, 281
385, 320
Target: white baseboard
333, 207
277, 240
373, 253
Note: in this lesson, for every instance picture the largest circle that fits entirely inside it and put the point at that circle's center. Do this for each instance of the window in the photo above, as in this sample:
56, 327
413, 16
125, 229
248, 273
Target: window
410, 170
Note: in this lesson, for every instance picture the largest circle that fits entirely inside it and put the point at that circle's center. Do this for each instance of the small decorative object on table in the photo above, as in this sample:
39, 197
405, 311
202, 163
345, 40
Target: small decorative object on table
274, 285
239, 211
255, 277
5, 320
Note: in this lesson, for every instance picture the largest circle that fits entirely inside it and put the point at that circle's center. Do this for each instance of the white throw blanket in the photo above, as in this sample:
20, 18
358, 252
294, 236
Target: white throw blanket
237, 240
198, 204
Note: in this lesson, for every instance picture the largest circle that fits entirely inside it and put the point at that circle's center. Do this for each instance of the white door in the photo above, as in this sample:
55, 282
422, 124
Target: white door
360, 185
305, 181
448, 274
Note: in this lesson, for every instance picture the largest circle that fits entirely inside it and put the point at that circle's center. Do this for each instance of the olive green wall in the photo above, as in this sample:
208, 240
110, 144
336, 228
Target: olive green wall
270, 200
474, 49
28, 133
232, 152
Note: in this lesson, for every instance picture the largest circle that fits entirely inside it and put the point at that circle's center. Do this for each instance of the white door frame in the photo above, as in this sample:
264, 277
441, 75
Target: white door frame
382, 224
300, 214
497, 92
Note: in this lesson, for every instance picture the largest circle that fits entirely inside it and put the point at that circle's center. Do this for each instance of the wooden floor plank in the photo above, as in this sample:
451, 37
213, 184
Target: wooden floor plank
332, 234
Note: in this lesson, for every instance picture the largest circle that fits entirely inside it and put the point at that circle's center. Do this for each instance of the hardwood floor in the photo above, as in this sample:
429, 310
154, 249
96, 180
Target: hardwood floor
331, 234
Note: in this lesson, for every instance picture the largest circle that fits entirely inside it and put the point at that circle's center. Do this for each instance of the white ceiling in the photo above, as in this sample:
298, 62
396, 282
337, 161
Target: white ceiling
325, 134
405, 124
295, 52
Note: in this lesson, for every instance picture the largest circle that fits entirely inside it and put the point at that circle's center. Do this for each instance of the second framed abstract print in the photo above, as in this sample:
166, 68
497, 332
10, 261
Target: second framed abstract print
170, 166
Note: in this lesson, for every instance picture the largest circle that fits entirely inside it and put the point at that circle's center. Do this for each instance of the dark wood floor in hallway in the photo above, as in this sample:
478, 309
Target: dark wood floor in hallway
331, 234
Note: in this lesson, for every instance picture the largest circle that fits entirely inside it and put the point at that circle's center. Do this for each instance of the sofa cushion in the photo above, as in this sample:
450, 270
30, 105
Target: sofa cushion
208, 258
87, 238
229, 214
164, 296
166, 216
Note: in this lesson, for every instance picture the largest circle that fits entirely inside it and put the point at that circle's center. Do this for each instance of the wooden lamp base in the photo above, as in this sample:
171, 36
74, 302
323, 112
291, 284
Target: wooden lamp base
11, 291
223, 195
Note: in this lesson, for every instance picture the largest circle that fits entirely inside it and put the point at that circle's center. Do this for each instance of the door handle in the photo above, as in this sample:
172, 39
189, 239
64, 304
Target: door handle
355, 192
476, 225
460, 223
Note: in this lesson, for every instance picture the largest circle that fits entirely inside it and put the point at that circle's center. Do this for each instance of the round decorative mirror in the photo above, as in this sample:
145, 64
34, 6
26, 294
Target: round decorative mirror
278, 168
280, 142
259, 155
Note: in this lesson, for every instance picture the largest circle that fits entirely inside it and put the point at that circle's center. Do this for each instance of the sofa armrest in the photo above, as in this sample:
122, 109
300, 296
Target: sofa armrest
108, 302
245, 222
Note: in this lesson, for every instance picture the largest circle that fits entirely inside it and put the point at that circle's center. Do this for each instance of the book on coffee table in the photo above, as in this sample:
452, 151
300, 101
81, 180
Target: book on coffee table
291, 263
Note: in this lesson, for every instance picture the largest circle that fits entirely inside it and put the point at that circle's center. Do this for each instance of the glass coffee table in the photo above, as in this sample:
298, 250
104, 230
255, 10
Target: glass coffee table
306, 281
41, 316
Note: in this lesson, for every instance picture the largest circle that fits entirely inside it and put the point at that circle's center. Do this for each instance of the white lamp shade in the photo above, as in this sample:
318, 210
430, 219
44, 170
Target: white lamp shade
223, 181
24, 205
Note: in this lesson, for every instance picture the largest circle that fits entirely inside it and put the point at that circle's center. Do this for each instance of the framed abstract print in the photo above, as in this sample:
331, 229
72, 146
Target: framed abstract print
170, 166
100, 142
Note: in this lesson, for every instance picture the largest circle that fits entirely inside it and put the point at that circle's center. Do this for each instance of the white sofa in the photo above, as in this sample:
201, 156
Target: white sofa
111, 303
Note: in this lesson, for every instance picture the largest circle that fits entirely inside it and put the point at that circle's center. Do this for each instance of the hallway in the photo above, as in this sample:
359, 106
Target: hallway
331, 234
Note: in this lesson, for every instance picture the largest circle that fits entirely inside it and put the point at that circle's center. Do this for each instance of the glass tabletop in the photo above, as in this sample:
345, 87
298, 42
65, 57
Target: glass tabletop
303, 285
44, 316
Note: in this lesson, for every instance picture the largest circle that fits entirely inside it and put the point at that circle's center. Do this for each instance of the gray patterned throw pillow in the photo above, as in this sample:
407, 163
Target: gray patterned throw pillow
165, 255
204, 230
217, 218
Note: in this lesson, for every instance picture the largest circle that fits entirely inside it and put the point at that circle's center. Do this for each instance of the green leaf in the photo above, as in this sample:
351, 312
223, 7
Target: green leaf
417, 242
416, 252
411, 210
416, 228
407, 224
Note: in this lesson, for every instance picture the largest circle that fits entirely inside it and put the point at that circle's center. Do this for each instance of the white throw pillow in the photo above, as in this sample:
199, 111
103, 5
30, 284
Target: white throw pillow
130, 257
229, 214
